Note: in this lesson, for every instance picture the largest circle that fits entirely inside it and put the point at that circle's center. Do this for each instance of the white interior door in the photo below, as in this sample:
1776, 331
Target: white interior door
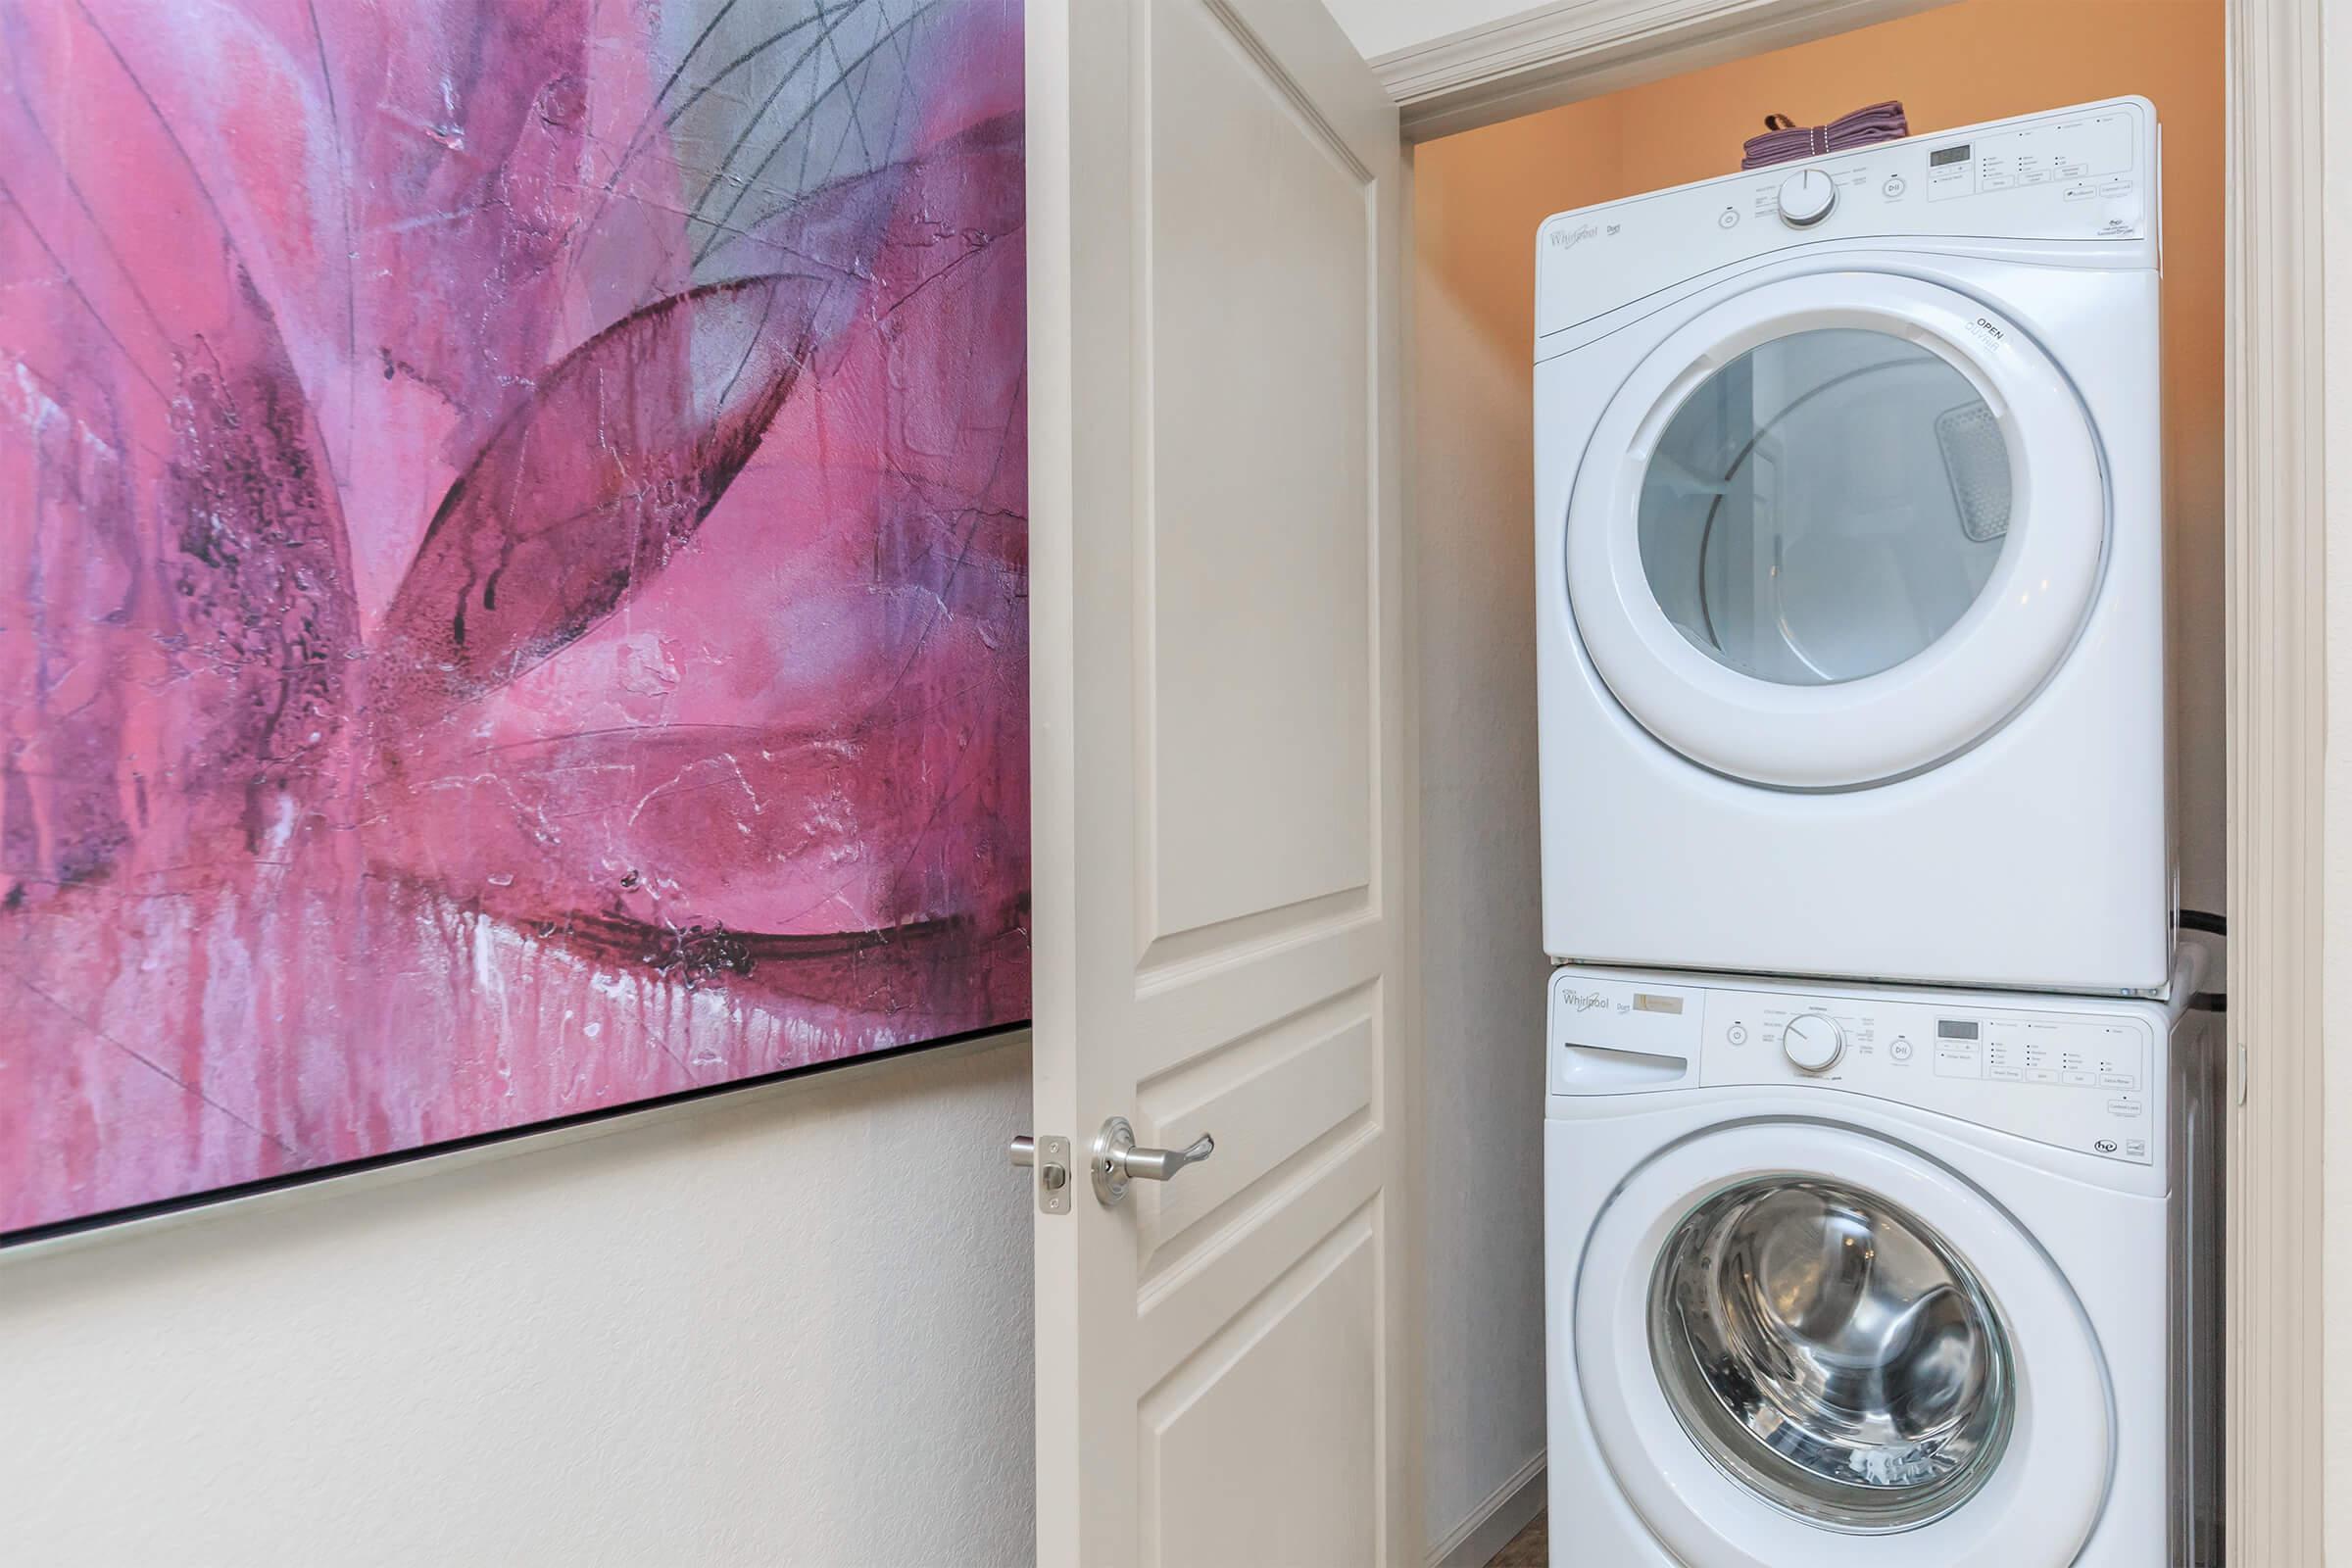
1214, 240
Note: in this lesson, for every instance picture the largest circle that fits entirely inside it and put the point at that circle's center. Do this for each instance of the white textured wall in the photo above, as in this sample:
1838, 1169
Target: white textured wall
790, 1326
1482, 966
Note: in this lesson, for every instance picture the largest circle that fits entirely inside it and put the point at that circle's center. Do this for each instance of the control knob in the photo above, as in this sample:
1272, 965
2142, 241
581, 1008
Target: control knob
1806, 198
1813, 1043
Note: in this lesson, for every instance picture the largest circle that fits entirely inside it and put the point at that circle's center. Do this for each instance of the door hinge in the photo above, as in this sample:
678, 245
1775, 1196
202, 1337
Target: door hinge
2242, 1066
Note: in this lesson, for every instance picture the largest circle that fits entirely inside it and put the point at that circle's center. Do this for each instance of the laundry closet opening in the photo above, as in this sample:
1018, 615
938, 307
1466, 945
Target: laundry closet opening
1477, 199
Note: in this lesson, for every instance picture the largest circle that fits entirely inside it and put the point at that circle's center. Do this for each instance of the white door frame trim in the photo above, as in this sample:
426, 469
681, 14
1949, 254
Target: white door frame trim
1570, 49
2283, 351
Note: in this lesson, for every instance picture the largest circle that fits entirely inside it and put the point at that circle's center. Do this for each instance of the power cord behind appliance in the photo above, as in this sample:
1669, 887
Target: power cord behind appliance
2212, 925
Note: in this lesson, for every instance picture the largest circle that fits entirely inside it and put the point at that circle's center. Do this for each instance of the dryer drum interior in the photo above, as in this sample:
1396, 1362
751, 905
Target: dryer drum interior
1823, 507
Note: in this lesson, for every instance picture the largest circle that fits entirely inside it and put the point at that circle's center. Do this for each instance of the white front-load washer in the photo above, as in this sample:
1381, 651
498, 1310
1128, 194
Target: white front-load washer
1845, 1278
1849, 566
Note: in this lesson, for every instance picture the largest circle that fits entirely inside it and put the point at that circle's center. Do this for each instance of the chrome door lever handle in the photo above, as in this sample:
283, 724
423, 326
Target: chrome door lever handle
1024, 1151
1160, 1164
1118, 1160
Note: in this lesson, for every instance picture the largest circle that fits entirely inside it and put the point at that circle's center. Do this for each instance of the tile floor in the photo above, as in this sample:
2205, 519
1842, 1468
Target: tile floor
1530, 1548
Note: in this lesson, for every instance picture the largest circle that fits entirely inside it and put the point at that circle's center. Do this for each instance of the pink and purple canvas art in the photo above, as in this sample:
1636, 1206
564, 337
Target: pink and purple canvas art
513, 578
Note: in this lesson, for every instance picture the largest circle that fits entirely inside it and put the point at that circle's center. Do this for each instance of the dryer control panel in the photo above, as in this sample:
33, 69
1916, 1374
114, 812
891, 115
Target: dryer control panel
2085, 174
2087, 1080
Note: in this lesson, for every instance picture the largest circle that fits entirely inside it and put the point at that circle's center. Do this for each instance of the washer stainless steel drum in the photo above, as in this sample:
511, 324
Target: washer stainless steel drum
1832, 1352
1849, 567
1928, 1302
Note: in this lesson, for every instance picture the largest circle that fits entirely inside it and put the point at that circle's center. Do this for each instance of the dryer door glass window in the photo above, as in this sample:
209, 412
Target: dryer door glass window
1825, 505
1826, 1349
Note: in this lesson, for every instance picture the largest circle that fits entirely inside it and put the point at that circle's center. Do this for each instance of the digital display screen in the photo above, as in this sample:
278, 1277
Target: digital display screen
1643, 1001
1948, 154
1955, 1029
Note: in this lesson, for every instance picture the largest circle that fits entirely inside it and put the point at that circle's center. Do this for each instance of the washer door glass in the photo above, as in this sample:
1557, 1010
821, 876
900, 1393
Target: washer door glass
1823, 507
1827, 1350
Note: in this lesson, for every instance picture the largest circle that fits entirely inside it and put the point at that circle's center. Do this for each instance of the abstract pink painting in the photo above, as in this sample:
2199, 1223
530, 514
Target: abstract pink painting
513, 566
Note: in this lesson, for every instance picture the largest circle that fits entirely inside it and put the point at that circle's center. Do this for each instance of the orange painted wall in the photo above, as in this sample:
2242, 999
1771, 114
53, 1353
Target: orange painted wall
1480, 195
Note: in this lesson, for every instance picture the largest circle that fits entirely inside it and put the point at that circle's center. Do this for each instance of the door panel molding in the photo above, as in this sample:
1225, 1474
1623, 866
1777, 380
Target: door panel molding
1172, 959
1249, 745
1317, 1483
1279, 1110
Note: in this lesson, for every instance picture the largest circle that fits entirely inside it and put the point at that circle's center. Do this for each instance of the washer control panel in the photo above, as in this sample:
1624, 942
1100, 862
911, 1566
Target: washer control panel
2081, 1080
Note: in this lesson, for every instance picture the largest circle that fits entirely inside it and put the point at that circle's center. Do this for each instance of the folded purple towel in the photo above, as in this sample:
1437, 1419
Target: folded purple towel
1784, 139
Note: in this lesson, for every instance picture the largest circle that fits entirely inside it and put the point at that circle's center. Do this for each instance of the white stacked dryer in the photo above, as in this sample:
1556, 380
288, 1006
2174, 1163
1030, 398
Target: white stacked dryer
1849, 566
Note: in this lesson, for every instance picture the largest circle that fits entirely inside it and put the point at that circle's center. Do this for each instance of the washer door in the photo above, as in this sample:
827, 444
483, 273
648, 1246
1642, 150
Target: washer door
1835, 530
1796, 1340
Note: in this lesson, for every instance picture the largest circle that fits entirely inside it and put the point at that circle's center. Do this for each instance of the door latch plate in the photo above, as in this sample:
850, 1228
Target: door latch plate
1053, 1175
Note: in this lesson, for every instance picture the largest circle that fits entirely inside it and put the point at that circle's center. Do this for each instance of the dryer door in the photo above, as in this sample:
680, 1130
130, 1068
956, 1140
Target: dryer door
1835, 530
1796, 1340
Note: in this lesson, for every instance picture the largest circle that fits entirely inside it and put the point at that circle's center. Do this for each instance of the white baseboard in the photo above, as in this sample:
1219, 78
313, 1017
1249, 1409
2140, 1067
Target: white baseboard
1494, 1522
